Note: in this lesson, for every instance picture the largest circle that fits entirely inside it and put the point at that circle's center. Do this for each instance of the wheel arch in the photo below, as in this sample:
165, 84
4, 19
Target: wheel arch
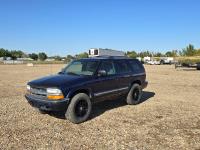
81, 90
136, 81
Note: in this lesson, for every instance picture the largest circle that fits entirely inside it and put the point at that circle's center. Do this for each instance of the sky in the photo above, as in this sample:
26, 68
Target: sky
62, 27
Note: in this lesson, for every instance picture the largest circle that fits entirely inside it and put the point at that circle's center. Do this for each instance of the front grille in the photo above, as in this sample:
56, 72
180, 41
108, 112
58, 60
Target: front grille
38, 91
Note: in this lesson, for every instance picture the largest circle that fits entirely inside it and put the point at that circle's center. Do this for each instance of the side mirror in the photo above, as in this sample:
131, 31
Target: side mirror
62, 71
102, 73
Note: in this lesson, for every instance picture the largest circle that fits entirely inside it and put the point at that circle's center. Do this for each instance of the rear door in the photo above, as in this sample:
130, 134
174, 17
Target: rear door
106, 87
124, 73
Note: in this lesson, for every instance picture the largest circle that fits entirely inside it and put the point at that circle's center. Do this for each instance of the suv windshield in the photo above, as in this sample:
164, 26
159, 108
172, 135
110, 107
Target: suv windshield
80, 67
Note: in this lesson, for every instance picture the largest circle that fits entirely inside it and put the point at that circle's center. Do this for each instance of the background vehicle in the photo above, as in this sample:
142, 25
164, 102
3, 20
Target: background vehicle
153, 62
166, 60
88, 81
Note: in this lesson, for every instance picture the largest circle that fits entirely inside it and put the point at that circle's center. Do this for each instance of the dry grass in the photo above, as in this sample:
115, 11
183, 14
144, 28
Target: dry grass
169, 117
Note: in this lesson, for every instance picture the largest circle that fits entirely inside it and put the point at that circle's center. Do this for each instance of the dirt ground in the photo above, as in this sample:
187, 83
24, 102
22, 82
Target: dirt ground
169, 117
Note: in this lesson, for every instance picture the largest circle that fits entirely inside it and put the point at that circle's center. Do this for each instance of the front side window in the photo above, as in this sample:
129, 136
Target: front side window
108, 66
79, 67
122, 67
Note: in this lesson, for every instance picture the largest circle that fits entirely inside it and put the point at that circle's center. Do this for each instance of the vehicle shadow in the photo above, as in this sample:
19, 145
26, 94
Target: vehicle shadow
101, 107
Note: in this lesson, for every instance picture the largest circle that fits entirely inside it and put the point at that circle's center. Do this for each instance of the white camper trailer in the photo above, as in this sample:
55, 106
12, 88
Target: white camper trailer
166, 60
93, 52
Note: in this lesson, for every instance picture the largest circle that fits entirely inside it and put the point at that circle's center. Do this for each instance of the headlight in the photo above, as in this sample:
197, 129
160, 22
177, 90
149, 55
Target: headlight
28, 87
54, 94
53, 91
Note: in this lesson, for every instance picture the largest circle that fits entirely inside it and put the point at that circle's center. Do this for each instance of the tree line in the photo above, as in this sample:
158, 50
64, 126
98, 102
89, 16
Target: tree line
188, 51
14, 54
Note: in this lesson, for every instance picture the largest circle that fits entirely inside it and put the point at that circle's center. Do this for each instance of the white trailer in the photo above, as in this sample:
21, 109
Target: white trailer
167, 60
93, 52
147, 59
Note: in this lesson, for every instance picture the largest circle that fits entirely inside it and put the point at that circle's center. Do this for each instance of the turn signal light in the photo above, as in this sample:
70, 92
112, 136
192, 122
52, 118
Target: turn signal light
55, 97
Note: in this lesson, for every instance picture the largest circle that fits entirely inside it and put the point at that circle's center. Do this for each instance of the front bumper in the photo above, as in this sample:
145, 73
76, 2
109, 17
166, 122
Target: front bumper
45, 104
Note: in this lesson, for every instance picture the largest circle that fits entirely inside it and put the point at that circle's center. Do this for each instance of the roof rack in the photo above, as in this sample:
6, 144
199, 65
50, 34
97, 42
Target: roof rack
107, 56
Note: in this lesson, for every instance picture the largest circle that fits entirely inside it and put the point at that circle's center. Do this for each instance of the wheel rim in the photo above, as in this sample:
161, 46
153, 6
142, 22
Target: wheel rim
81, 108
136, 93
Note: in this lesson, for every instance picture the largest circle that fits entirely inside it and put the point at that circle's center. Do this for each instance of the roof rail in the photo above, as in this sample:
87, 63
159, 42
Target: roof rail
107, 56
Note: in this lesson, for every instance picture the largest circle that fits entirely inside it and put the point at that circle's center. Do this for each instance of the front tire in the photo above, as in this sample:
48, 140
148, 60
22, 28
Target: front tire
79, 108
41, 111
134, 95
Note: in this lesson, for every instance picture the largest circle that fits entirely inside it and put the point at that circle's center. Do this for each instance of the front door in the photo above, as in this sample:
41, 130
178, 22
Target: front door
105, 87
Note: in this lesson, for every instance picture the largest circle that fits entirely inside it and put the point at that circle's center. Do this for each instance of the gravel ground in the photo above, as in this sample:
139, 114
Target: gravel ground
169, 117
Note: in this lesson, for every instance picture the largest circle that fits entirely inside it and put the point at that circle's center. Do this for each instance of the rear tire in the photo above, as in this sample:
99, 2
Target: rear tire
134, 95
79, 108
198, 66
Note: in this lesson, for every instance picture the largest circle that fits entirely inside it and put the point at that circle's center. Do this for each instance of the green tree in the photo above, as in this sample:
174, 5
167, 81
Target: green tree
145, 53
198, 52
69, 58
82, 55
158, 54
131, 54
16, 54
189, 50
42, 56
33, 56
57, 58
172, 53
4, 53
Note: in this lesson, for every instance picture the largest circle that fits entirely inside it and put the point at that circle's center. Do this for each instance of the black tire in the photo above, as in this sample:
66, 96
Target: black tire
198, 66
134, 95
79, 108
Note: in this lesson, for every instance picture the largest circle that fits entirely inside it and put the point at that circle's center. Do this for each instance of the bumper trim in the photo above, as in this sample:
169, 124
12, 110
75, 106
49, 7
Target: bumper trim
48, 105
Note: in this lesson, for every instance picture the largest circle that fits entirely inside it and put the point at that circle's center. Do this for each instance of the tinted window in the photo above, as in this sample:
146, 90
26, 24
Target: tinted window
108, 67
121, 66
136, 66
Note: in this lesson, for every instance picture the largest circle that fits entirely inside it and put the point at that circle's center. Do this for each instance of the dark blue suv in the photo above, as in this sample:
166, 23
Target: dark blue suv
86, 81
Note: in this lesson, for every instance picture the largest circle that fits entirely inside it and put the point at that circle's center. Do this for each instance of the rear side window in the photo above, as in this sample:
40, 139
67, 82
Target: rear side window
136, 66
108, 67
122, 66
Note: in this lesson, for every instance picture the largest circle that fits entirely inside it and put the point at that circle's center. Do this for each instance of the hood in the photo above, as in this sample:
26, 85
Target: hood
58, 80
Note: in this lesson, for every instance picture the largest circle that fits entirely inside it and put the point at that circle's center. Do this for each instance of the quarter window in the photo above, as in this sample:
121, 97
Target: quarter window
122, 67
136, 66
